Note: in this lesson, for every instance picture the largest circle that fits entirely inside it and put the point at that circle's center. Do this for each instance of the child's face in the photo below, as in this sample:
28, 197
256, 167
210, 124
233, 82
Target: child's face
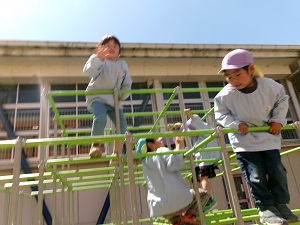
112, 49
240, 78
155, 145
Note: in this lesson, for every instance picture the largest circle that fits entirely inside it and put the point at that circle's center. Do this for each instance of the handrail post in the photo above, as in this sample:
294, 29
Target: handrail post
120, 160
14, 200
229, 178
130, 163
192, 164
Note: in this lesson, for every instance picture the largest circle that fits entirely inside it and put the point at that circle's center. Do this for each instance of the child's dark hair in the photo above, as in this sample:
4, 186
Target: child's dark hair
108, 38
147, 141
246, 68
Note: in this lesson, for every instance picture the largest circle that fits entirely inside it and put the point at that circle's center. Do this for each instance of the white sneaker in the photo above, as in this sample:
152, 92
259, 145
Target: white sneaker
271, 216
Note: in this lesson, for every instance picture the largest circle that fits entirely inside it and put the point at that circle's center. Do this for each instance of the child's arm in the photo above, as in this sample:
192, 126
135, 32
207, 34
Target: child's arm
243, 128
195, 120
175, 162
103, 52
275, 128
179, 143
279, 111
223, 116
93, 67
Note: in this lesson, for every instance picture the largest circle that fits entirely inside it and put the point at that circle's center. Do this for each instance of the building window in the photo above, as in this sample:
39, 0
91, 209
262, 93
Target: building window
213, 85
138, 103
192, 100
8, 93
29, 93
70, 87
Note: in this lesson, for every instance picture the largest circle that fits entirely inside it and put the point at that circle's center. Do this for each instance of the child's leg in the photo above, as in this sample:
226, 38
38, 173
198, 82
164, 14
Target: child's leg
277, 179
204, 197
206, 172
99, 111
99, 122
278, 185
206, 184
253, 169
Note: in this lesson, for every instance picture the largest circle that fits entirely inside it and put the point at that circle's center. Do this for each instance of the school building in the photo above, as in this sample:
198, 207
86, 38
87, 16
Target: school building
29, 71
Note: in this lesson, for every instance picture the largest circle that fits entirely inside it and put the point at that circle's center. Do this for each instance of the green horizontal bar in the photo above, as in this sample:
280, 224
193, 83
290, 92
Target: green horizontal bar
101, 182
135, 91
86, 171
29, 183
73, 140
7, 178
135, 114
8, 144
96, 177
108, 138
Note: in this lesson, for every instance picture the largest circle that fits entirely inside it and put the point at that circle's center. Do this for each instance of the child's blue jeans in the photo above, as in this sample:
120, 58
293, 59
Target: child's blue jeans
266, 176
100, 111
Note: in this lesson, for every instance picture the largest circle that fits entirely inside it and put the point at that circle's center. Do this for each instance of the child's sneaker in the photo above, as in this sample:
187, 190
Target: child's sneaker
271, 216
211, 204
189, 219
114, 162
287, 213
96, 150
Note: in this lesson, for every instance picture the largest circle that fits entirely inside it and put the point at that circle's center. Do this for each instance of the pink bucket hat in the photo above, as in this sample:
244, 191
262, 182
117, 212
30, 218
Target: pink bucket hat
237, 59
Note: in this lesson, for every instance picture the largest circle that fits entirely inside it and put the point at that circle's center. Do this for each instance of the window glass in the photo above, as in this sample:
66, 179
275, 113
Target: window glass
29, 93
81, 87
8, 93
191, 95
66, 87
135, 86
143, 120
171, 86
212, 85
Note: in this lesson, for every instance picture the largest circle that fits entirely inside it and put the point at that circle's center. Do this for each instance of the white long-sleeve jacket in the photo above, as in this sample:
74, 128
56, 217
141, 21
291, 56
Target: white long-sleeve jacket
106, 75
167, 190
268, 103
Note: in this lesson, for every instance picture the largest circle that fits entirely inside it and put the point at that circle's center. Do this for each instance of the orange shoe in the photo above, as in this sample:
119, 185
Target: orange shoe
189, 218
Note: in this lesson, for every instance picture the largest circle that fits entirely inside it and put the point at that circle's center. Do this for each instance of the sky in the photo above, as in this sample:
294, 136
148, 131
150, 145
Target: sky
273, 22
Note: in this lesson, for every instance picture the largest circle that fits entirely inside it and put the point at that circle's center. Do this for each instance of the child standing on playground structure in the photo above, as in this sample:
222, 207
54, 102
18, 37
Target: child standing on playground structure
107, 72
168, 193
204, 170
252, 101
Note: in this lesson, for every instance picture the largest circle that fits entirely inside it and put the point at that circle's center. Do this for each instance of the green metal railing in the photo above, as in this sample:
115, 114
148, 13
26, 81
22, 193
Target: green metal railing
64, 179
